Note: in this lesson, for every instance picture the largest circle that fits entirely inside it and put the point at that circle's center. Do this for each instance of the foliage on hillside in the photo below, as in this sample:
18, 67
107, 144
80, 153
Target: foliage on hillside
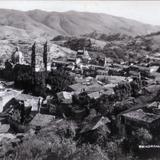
53, 142
119, 47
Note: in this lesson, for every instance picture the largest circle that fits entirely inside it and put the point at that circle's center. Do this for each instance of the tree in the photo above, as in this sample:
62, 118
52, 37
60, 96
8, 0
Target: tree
59, 81
142, 136
45, 56
33, 57
23, 77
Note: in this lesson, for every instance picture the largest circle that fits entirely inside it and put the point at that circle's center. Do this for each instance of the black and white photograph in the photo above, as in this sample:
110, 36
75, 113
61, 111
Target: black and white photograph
79, 80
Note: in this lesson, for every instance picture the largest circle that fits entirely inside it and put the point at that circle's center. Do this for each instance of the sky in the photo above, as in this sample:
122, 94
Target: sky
144, 11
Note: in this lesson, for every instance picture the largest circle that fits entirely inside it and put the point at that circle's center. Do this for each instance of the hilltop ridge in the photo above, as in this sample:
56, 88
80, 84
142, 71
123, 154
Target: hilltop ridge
38, 23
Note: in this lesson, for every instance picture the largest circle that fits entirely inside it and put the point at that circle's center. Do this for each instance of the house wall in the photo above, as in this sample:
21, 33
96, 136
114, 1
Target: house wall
126, 125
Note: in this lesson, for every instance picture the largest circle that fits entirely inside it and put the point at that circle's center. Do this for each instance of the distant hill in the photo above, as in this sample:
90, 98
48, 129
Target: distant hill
37, 23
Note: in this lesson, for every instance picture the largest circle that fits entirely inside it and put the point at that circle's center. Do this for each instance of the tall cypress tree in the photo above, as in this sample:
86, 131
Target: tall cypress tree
45, 56
33, 62
33, 57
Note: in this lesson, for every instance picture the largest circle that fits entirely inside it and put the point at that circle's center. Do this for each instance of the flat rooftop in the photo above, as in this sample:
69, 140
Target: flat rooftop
140, 115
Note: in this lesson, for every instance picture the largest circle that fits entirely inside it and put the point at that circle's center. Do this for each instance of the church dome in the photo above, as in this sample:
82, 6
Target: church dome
17, 56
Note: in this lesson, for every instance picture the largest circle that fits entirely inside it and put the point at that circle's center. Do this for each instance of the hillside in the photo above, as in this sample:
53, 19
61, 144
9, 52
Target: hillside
37, 23
102, 34
54, 51
119, 47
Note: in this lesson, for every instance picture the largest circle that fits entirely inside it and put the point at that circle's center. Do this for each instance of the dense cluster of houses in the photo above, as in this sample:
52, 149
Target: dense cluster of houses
119, 81
139, 80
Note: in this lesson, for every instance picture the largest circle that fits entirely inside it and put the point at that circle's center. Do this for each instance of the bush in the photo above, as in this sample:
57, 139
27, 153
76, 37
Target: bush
142, 136
44, 147
59, 81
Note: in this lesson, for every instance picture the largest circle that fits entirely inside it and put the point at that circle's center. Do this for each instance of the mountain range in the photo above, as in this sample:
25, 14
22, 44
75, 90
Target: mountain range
37, 23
